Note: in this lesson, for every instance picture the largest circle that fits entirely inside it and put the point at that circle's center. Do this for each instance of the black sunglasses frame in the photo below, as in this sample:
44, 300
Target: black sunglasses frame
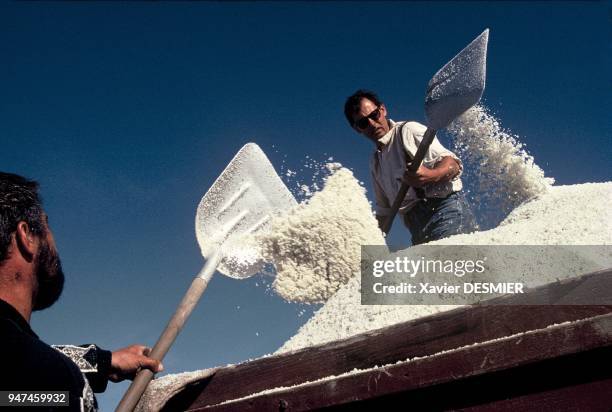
363, 123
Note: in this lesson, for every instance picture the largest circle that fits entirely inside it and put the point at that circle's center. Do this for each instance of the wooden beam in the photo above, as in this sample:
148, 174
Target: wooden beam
560, 358
419, 337
590, 396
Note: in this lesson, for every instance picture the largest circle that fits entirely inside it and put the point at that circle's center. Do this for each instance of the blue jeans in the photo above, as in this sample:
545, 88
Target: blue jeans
436, 218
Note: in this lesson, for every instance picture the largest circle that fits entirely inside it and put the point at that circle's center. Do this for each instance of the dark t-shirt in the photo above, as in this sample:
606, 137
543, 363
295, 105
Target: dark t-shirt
29, 364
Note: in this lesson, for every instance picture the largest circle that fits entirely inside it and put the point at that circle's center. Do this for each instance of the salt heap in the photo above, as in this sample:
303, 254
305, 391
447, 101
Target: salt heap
316, 246
558, 217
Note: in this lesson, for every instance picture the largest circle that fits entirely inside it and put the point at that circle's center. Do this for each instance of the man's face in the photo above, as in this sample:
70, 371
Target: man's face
366, 123
48, 272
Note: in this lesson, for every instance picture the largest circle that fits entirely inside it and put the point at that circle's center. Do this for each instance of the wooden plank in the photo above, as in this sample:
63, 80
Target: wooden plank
419, 337
549, 359
590, 396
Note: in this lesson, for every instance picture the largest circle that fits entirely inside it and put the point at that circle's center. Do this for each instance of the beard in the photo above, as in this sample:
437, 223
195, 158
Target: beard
49, 275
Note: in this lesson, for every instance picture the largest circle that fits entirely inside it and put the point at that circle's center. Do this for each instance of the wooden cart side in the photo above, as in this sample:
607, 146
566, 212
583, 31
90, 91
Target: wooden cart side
419, 337
570, 361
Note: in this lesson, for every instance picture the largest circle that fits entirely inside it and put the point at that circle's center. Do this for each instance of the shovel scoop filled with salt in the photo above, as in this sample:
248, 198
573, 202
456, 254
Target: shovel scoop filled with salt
240, 202
458, 85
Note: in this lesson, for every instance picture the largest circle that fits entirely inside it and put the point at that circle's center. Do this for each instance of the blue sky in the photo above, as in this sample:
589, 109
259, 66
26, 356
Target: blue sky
127, 112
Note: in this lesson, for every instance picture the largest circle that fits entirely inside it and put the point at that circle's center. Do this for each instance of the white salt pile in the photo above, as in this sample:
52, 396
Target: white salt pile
503, 174
316, 247
566, 215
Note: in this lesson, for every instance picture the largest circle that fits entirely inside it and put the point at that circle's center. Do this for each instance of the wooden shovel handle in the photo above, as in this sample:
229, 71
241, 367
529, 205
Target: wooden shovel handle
191, 298
428, 138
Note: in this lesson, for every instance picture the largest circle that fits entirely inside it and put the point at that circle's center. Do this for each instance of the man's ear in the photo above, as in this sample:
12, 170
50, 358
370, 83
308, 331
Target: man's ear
27, 242
383, 109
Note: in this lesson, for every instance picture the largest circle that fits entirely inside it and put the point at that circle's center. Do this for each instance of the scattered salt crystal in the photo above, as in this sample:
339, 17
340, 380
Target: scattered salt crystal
306, 190
332, 167
497, 164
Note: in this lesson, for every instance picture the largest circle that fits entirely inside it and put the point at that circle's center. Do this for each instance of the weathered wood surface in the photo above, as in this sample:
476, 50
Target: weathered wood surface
590, 396
419, 337
492, 374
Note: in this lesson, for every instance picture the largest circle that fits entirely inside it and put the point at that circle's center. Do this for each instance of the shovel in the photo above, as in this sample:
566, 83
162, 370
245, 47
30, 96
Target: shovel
241, 201
454, 88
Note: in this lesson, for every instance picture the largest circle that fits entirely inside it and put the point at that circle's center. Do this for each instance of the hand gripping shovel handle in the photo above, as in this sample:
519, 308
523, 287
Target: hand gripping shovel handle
191, 298
428, 138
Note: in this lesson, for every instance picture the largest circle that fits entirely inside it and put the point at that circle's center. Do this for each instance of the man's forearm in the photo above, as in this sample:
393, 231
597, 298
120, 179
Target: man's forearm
446, 170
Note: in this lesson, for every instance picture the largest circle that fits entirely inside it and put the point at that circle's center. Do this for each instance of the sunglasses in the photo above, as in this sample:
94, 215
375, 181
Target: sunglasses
363, 123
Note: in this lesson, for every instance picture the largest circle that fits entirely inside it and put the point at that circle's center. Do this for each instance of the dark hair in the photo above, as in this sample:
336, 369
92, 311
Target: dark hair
353, 102
19, 202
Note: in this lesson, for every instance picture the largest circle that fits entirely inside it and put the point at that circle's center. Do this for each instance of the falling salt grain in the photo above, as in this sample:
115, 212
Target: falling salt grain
504, 174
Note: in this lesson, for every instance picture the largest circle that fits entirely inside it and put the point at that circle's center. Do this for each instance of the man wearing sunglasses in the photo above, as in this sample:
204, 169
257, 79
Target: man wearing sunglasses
433, 208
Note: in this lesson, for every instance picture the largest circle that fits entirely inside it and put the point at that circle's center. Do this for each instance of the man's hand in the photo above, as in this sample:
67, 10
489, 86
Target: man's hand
126, 362
421, 177
444, 171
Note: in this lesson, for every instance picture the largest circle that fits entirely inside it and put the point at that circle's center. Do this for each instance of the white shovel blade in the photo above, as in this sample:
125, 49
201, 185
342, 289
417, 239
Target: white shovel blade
241, 200
458, 85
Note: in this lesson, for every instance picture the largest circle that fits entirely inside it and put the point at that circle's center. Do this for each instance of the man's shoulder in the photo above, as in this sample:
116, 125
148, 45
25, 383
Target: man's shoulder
412, 126
31, 364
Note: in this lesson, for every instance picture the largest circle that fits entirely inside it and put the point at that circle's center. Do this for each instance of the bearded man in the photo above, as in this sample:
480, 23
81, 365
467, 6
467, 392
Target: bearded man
31, 279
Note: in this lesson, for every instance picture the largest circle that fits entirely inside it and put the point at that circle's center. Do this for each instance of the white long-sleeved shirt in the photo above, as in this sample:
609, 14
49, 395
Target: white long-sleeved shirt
388, 164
